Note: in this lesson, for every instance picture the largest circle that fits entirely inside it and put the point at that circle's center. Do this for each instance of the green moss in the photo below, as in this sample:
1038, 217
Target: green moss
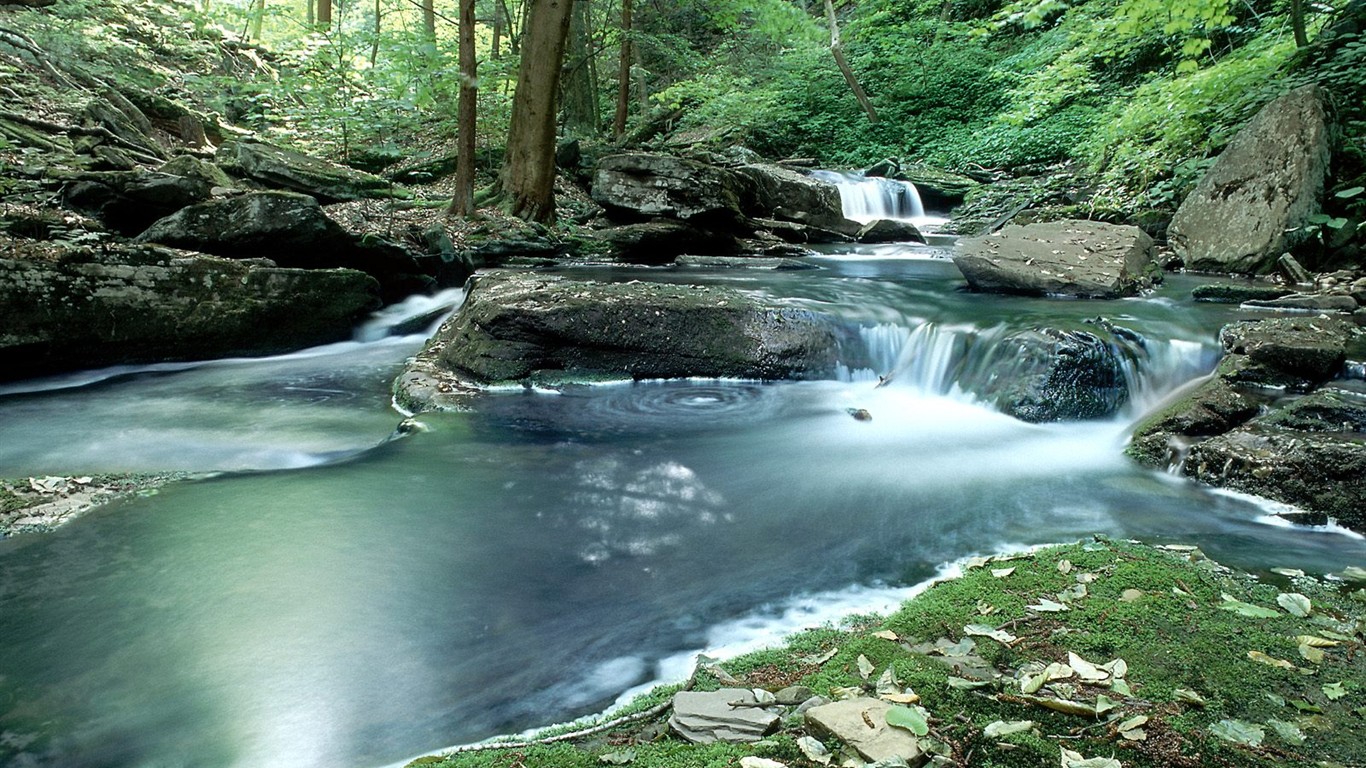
1161, 611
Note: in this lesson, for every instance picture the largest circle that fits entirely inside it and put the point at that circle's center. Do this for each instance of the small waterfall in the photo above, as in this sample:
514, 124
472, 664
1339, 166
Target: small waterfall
924, 358
869, 198
415, 314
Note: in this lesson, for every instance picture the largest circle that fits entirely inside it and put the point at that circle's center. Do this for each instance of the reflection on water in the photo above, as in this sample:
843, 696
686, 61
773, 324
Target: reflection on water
530, 561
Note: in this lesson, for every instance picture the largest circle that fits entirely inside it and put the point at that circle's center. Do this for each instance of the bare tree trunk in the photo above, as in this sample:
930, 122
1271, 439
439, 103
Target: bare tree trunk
374, 44
848, 73
429, 18
1297, 22
497, 52
309, 13
463, 202
623, 73
257, 18
528, 178
579, 88
325, 15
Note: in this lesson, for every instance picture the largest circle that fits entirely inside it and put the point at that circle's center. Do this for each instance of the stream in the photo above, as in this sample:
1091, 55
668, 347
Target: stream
324, 595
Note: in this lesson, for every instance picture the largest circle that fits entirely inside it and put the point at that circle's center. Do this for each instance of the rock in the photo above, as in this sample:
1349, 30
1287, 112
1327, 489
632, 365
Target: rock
129, 201
862, 724
192, 167
281, 168
1307, 302
1237, 294
785, 194
1050, 374
519, 327
794, 695
938, 188
709, 717
1293, 270
889, 231
140, 304
1212, 408
1079, 259
1309, 348
745, 262
643, 185
661, 240
290, 228
1250, 206
1326, 410
1320, 472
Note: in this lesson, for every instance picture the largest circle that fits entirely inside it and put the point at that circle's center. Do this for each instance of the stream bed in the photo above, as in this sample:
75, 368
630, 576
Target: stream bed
329, 596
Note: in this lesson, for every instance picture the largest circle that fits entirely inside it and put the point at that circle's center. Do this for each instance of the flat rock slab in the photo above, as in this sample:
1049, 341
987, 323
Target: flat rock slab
1075, 259
862, 724
1312, 348
728, 715
660, 185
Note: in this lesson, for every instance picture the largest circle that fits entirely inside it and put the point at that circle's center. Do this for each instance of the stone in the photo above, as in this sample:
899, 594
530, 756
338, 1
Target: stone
1320, 472
141, 304
938, 187
862, 724
1329, 409
1214, 407
1052, 374
280, 168
1252, 205
1077, 259
794, 695
745, 262
192, 167
661, 240
1310, 348
788, 195
1293, 270
889, 231
712, 716
1225, 293
129, 201
644, 185
1307, 302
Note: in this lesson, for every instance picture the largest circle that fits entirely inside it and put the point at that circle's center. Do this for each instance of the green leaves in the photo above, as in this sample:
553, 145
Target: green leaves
1239, 732
913, 719
1247, 609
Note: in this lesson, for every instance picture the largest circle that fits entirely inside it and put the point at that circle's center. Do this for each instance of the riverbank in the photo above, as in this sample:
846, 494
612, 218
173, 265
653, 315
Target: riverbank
37, 504
1103, 653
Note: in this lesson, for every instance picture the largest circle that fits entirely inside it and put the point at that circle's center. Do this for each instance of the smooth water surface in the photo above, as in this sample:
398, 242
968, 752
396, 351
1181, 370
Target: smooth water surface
337, 598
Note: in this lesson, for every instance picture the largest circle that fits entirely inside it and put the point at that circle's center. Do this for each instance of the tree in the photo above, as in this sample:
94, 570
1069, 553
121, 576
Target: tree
580, 85
325, 14
623, 73
528, 177
463, 202
429, 17
838, 52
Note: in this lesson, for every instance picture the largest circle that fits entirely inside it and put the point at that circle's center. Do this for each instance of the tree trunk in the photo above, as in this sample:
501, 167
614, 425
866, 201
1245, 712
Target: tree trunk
528, 178
429, 18
623, 73
310, 12
580, 90
325, 15
374, 44
1297, 23
838, 51
257, 18
463, 202
497, 52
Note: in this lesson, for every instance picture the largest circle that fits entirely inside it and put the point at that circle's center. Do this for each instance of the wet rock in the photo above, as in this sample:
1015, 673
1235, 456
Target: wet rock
644, 186
1079, 259
728, 715
661, 240
1327, 410
192, 167
938, 187
1213, 408
280, 168
1238, 293
1249, 207
1310, 348
862, 724
785, 194
1050, 374
745, 262
139, 304
889, 231
1318, 471
1307, 302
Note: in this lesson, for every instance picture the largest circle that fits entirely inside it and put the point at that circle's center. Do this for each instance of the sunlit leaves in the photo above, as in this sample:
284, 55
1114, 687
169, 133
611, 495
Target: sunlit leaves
1239, 732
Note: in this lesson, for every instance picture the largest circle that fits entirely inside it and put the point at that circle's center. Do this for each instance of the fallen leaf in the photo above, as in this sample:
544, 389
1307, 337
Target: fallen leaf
1316, 642
1311, 653
1048, 606
1294, 573
986, 630
1270, 661
1003, 728
900, 698
1087, 671
1116, 668
820, 658
750, 761
1131, 595
814, 750
974, 562
964, 684
886, 634
1065, 566
1239, 732
913, 719
1134, 722
1232, 603
1104, 704
1086, 578
985, 608
1066, 706
1334, 691
618, 758
1289, 732
961, 648
1353, 573
1187, 696
1120, 687
1054, 671
865, 667
1295, 604
1001, 573
845, 692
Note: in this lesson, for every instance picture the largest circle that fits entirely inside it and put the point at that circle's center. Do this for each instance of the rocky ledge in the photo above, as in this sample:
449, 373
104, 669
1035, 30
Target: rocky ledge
1273, 420
519, 327
1070, 258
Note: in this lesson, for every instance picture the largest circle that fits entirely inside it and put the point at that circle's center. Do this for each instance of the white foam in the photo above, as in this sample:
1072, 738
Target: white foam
1279, 515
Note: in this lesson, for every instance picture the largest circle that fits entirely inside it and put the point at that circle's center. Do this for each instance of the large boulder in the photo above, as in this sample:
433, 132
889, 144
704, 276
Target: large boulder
85, 308
129, 201
661, 240
289, 228
785, 194
280, 168
639, 186
730, 715
1310, 349
1051, 374
1076, 259
524, 327
1249, 207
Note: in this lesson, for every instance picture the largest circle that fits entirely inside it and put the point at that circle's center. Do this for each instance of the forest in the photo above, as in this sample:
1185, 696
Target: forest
682, 383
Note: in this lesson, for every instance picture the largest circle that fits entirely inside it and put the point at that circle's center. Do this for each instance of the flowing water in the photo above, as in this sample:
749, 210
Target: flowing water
334, 597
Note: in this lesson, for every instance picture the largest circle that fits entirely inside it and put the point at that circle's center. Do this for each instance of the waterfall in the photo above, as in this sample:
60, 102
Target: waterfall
869, 198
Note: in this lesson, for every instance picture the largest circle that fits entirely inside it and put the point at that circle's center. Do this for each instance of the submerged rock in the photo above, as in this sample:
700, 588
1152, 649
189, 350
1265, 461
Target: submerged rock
523, 327
1250, 207
1237, 294
1077, 259
728, 715
1050, 374
141, 304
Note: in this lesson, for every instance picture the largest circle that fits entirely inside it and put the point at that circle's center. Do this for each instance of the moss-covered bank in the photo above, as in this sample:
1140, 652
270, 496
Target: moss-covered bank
1219, 668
